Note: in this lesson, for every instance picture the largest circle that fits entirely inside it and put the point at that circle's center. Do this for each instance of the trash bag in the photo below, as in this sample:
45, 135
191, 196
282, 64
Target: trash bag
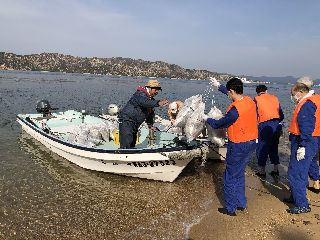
107, 130
91, 135
190, 105
165, 125
195, 124
216, 136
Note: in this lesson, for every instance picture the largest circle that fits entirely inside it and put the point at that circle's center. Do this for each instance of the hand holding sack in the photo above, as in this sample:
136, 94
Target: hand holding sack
205, 117
214, 82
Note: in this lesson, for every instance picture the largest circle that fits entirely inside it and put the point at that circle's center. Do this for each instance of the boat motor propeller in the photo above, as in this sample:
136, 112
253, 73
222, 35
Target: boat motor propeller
44, 107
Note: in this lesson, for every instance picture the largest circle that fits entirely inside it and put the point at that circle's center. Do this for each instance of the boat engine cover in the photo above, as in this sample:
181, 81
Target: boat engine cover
43, 106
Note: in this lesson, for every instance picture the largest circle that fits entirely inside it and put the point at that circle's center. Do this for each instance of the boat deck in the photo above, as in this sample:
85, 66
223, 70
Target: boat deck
64, 125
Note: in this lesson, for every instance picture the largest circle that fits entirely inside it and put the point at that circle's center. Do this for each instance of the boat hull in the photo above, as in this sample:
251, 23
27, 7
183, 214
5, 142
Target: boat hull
162, 166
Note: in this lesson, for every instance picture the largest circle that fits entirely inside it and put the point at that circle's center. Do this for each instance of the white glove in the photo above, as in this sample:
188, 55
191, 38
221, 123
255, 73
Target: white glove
205, 117
214, 82
301, 152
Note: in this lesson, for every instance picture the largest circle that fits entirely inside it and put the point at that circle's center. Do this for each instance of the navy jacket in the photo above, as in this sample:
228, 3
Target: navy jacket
139, 108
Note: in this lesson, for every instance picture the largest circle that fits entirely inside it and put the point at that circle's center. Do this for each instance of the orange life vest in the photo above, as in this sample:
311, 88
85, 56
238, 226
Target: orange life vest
268, 107
245, 128
294, 127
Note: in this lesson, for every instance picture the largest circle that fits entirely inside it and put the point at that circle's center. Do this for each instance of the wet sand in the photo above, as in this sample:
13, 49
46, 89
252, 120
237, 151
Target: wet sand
266, 216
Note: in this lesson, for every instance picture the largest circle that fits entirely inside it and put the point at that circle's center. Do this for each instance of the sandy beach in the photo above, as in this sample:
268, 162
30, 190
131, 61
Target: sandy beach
266, 216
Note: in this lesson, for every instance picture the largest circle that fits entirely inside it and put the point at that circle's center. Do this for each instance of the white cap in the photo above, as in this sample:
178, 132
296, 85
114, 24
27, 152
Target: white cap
306, 80
113, 109
173, 107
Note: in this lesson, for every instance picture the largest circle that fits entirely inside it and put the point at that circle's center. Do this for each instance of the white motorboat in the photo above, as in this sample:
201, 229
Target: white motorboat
91, 143
163, 159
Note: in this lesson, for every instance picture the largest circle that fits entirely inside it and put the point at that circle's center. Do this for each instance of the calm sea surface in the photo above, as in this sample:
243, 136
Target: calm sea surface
43, 196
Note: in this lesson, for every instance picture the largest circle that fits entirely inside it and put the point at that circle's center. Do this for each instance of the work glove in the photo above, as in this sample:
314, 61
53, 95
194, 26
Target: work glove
214, 82
205, 117
301, 152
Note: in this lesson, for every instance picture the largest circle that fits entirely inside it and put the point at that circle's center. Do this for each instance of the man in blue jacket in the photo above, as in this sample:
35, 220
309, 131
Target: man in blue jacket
242, 128
314, 167
304, 132
137, 110
270, 115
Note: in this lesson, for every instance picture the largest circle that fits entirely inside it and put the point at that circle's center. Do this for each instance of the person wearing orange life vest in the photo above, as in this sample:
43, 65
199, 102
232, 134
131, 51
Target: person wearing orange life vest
241, 123
270, 115
314, 167
304, 132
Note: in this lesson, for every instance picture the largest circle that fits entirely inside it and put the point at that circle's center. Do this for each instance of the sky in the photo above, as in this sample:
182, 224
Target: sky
241, 37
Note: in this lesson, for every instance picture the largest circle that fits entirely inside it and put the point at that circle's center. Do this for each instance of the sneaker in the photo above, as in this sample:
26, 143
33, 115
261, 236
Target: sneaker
298, 210
274, 173
225, 211
312, 189
259, 174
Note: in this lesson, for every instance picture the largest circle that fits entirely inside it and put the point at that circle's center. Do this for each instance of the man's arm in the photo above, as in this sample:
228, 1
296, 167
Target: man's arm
215, 83
144, 101
306, 122
223, 89
281, 114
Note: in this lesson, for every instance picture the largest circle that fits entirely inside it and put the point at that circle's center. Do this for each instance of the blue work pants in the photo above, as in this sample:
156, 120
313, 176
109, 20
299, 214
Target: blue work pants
314, 165
237, 158
268, 141
298, 170
128, 134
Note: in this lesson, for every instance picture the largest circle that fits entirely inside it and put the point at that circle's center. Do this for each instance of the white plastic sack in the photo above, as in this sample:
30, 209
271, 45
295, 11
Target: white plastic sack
91, 135
168, 126
216, 136
107, 130
190, 105
195, 123
83, 136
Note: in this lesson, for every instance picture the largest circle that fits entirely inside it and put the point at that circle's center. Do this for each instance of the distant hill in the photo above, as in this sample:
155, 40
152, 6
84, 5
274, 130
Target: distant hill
55, 62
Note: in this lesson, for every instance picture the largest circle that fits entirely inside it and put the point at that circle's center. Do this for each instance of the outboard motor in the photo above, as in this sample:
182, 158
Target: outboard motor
44, 107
